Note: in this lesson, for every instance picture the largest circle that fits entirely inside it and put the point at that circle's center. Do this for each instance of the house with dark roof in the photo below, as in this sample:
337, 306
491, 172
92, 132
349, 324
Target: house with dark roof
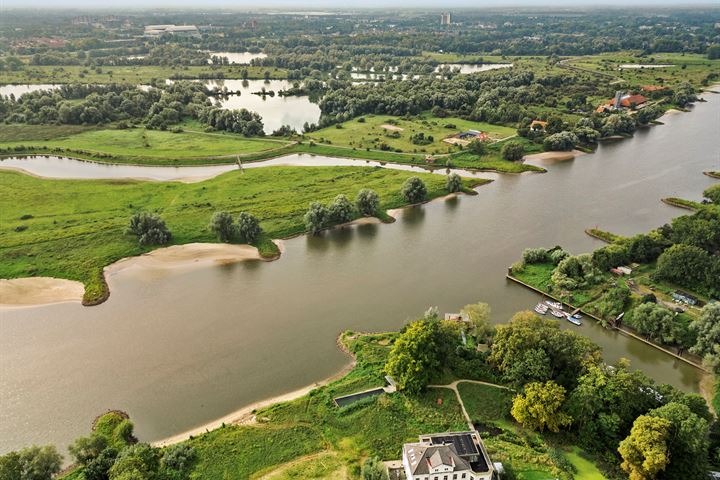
443, 456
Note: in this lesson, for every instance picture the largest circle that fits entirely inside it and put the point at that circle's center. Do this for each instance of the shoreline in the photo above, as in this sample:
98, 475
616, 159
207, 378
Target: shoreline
554, 156
188, 255
245, 415
28, 292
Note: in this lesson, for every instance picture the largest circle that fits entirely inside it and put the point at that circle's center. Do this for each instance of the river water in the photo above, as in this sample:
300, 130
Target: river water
178, 348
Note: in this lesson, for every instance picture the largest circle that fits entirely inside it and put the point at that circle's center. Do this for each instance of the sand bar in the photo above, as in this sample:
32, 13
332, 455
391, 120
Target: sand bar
29, 292
191, 254
554, 156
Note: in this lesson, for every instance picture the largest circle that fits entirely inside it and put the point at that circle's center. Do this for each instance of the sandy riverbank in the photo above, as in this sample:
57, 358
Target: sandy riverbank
34, 291
245, 415
553, 156
190, 254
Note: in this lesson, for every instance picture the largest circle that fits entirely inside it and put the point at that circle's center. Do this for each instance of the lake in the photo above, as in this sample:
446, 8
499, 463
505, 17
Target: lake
179, 348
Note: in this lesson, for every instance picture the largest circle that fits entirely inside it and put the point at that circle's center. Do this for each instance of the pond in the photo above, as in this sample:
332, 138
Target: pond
177, 348
20, 90
275, 111
474, 68
238, 58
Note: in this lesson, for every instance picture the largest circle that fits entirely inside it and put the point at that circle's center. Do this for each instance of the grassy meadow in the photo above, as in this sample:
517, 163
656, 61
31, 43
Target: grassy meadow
396, 132
688, 67
82, 229
135, 145
135, 74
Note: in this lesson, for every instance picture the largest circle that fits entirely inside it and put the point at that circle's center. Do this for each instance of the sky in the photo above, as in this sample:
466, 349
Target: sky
315, 4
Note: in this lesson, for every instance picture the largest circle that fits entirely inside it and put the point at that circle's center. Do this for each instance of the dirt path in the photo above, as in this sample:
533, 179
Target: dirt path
454, 387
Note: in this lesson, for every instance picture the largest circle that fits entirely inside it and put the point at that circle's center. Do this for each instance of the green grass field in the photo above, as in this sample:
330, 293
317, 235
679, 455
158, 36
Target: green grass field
697, 67
586, 470
142, 74
82, 229
137, 145
378, 129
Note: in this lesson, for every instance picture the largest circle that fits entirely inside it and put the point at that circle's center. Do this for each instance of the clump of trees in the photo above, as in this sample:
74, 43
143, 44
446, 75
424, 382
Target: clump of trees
512, 151
149, 228
561, 141
31, 463
534, 349
414, 190
246, 230
341, 210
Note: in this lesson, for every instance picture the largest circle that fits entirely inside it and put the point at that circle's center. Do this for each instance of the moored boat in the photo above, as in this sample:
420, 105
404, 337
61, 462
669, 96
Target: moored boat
573, 320
555, 305
557, 313
541, 308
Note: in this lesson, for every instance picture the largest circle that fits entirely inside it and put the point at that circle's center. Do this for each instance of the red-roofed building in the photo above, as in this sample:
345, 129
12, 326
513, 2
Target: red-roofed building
622, 101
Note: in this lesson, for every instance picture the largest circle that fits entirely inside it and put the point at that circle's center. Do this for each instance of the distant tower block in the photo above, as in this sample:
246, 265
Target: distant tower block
445, 19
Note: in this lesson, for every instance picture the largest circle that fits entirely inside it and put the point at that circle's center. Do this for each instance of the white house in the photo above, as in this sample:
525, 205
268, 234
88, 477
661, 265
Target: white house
444, 456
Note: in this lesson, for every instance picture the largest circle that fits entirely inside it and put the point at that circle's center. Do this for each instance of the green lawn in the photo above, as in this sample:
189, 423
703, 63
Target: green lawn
371, 133
138, 74
139, 145
586, 470
487, 404
82, 229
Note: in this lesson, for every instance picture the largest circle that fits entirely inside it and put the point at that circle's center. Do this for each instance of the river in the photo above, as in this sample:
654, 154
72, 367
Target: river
178, 348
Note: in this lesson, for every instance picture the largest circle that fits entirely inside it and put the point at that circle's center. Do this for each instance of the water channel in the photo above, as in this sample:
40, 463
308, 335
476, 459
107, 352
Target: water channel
177, 348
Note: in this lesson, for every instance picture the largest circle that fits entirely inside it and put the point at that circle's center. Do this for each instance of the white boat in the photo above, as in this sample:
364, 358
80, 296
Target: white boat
557, 313
573, 320
541, 308
556, 305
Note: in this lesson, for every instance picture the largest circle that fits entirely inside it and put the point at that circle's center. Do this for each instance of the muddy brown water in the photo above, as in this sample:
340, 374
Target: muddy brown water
179, 348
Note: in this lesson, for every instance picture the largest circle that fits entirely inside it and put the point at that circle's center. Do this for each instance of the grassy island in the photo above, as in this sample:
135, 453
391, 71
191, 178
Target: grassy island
82, 229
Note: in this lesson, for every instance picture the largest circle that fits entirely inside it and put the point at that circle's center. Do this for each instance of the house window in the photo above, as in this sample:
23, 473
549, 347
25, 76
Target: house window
454, 476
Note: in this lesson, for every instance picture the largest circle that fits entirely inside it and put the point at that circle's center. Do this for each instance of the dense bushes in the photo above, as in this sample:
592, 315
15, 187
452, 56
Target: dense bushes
149, 229
561, 141
414, 190
512, 151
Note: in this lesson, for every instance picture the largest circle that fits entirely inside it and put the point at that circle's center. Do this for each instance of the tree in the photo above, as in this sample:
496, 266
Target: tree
606, 402
98, 468
316, 218
367, 202
512, 151
177, 460
139, 461
248, 227
645, 451
687, 442
477, 147
713, 52
540, 407
86, 449
685, 265
340, 210
575, 272
149, 229
562, 141
479, 316
414, 356
453, 183
655, 321
707, 328
414, 190
32, 463
555, 124
373, 469
534, 349
222, 225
